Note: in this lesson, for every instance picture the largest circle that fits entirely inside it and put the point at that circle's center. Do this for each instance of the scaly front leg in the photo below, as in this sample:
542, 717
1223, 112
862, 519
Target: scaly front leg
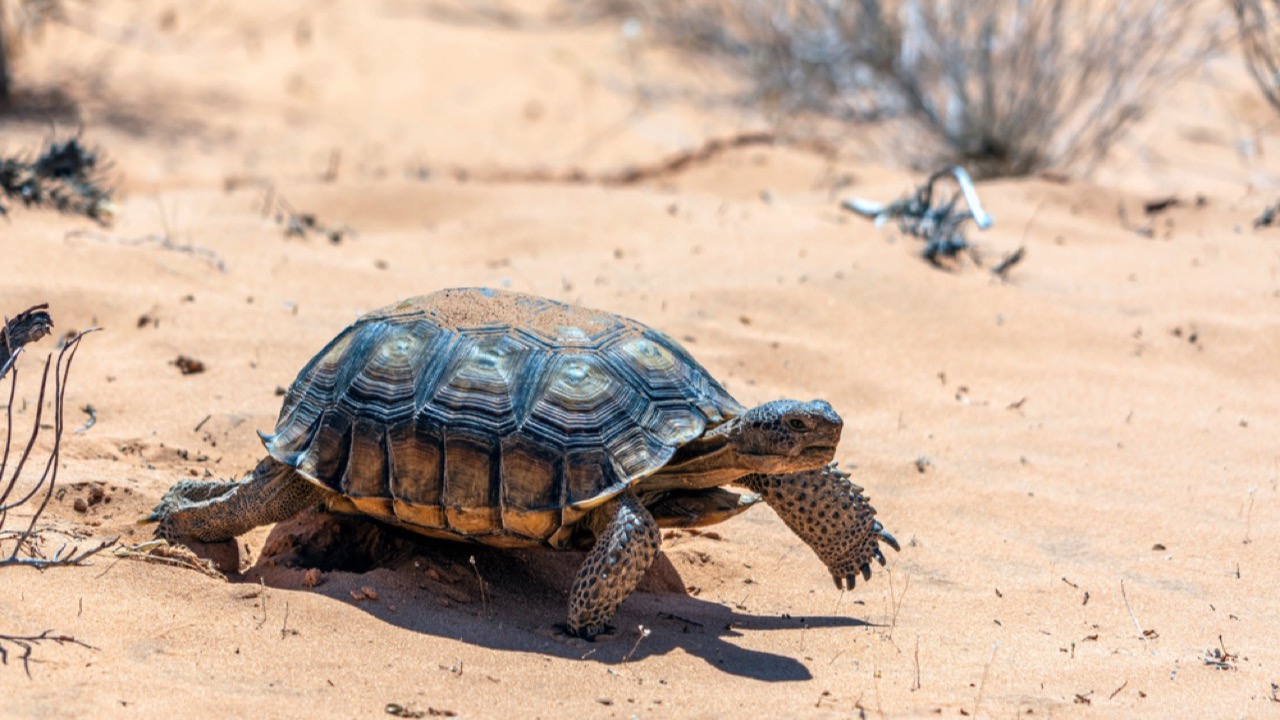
831, 515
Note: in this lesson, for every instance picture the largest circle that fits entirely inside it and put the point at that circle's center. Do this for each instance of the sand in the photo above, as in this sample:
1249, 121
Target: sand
1098, 513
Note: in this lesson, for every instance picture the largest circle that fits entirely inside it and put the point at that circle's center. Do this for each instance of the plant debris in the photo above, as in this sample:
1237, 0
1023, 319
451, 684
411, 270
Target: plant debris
27, 643
29, 326
188, 365
1268, 217
407, 711
299, 224
1219, 657
160, 551
66, 176
936, 221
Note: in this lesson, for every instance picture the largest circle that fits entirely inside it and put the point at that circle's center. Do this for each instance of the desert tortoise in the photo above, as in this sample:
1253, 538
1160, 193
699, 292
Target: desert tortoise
513, 420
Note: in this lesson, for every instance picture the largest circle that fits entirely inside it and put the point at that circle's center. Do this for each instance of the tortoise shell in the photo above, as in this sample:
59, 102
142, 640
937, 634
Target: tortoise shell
491, 415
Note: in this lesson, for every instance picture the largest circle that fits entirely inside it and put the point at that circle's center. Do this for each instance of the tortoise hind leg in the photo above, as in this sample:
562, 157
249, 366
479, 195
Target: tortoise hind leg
625, 548
212, 512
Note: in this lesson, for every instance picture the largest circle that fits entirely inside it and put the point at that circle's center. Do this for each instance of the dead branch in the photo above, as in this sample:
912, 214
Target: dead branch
27, 643
28, 326
661, 169
161, 552
164, 242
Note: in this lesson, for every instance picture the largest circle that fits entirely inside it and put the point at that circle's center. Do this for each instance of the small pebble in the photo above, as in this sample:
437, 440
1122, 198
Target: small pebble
313, 577
369, 592
80, 505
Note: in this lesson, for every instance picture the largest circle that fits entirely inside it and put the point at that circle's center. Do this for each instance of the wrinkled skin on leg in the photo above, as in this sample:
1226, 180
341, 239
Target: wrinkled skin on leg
627, 541
213, 512
830, 515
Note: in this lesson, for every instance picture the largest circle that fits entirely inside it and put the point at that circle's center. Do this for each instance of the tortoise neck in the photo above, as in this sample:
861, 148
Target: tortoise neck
710, 461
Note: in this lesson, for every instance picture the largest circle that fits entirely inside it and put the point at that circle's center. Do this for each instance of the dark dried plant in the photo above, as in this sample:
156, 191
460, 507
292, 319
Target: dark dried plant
1010, 87
20, 485
67, 176
1259, 24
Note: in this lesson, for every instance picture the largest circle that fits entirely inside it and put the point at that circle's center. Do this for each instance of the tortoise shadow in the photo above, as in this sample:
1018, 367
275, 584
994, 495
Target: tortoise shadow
506, 599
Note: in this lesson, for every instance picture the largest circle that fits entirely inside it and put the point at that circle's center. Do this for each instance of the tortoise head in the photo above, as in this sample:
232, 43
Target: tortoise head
786, 436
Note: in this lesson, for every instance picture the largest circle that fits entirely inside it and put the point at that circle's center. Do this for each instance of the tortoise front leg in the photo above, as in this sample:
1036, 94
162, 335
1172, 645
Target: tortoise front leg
625, 548
194, 491
212, 512
831, 515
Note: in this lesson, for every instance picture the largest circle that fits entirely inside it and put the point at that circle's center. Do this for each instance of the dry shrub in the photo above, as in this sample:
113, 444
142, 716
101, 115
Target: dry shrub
27, 481
1259, 22
1009, 86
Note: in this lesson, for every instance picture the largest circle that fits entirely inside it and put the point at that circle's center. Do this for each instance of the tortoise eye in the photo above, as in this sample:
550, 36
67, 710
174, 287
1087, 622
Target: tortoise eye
796, 423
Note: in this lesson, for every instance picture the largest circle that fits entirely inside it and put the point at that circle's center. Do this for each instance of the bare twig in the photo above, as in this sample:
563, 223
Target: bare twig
916, 685
1002, 268
982, 686
644, 633
27, 327
896, 602
1248, 517
1142, 635
26, 644
92, 412
484, 593
164, 242
160, 551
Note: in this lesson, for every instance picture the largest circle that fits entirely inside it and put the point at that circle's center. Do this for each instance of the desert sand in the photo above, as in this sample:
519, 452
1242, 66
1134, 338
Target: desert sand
1097, 519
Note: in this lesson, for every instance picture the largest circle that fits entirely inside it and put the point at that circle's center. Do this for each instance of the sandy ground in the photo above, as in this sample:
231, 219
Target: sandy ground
1098, 515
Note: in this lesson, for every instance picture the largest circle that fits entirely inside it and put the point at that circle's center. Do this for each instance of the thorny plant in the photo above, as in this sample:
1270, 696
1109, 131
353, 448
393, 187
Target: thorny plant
66, 176
927, 214
22, 330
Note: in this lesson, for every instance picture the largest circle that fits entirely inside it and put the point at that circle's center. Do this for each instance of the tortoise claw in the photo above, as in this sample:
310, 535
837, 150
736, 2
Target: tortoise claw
866, 571
880, 557
586, 633
886, 538
846, 582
